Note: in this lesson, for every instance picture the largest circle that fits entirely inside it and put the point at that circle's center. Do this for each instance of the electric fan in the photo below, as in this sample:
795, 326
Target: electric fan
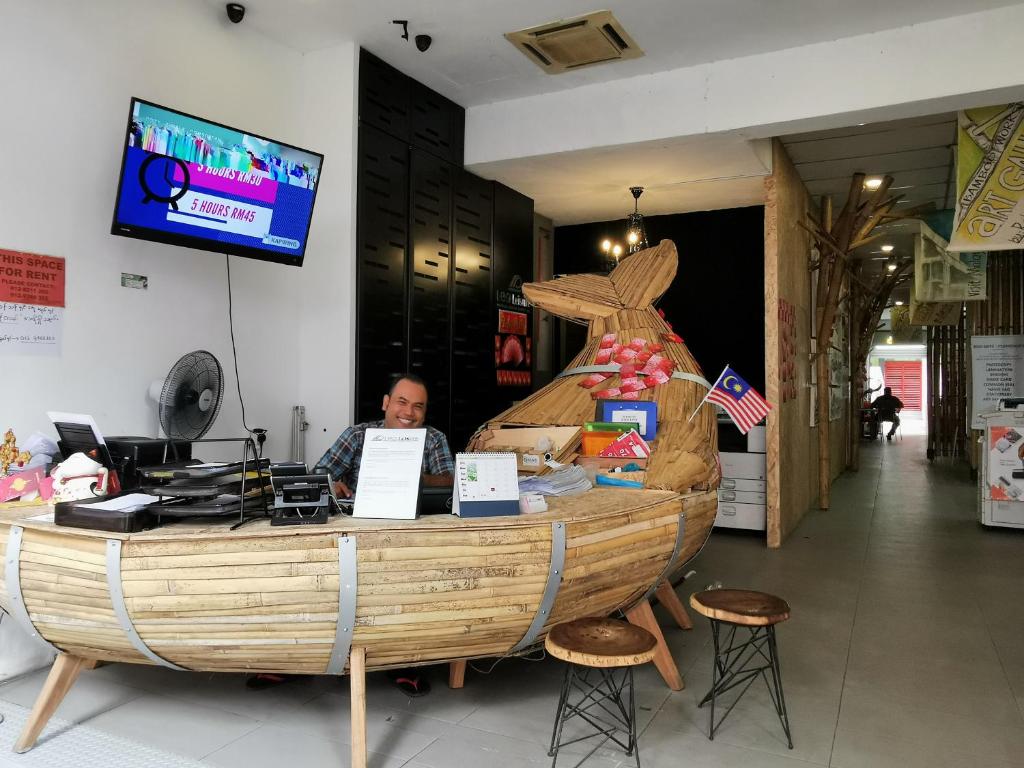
189, 400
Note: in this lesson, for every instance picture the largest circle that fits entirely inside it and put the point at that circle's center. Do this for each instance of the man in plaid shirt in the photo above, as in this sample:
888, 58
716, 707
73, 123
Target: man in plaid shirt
405, 407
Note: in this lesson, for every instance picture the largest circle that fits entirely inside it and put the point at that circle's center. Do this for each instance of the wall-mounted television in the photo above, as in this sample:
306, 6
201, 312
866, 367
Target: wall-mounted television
192, 182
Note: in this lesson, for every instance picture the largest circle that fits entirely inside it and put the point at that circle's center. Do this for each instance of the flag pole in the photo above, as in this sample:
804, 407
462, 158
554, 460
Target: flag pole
709, 392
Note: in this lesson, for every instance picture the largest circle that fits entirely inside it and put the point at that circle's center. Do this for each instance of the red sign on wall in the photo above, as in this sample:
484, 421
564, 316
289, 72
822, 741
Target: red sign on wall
30, 278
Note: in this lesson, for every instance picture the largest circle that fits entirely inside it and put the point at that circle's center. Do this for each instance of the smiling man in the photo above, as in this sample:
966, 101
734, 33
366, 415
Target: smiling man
405, 407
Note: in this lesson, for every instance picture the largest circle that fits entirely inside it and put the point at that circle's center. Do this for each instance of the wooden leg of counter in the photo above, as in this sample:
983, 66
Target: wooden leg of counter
357, 680
457, 674
62, 676
667, 596
642, 615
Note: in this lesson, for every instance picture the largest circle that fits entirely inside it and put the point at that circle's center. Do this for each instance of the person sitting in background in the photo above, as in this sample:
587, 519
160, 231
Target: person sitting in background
888, 407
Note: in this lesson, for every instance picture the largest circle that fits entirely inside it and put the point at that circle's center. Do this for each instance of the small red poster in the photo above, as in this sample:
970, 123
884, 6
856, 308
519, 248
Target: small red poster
30, 278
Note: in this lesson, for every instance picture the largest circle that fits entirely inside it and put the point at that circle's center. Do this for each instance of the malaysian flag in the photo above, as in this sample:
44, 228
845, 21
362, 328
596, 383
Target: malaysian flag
740, 400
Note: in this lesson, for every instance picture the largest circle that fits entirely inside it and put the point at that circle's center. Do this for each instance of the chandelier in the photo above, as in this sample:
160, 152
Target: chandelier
636, 237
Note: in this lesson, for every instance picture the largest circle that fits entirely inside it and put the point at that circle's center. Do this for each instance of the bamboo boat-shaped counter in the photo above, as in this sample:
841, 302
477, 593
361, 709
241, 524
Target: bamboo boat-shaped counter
360, 594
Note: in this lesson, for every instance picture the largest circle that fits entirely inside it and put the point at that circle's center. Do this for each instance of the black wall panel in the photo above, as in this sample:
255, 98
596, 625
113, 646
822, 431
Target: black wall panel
430, 211
425, 264
408, 110
473, 388
437, 124
383, 97
382, 236
513, 260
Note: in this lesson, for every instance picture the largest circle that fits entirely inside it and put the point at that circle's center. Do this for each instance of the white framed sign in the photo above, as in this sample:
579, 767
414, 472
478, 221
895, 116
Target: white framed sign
997, 365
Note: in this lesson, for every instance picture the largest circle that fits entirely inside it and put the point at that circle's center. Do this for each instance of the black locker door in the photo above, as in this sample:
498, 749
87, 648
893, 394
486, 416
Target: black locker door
472, 309
382, 238
430, 216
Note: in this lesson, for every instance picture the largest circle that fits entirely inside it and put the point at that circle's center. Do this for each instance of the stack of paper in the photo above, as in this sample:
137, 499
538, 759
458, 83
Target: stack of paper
567, 481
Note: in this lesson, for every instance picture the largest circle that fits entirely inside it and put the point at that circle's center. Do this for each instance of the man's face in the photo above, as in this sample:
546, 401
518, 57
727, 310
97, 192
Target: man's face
406, 406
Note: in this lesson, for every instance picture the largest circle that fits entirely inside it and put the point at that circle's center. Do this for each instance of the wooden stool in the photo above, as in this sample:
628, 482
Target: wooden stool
735, 662
601, 654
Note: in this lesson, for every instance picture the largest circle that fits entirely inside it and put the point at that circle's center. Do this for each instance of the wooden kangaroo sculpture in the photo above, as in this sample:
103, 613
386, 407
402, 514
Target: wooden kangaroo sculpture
619, 309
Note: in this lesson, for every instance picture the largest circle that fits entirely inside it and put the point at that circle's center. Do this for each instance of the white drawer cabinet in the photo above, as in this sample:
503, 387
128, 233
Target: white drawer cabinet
743, 497
735, 515
741, 484
747, 466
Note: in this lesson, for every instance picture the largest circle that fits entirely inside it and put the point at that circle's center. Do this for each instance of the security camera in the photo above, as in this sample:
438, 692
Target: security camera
236, 12
423, 42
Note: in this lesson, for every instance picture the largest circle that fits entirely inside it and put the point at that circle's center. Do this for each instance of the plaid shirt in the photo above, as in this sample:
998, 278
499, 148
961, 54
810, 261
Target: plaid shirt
342, 459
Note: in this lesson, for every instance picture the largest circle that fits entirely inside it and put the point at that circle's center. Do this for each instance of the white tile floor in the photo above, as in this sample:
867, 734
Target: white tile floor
905, 649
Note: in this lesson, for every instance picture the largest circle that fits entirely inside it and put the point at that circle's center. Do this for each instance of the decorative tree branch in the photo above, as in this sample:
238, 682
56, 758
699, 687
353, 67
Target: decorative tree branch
865, 318
835, 240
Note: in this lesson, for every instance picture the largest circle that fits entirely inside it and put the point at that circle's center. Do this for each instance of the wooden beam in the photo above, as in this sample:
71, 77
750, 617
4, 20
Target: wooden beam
357, 717
63, 673
667, 596
642, 616
457, 674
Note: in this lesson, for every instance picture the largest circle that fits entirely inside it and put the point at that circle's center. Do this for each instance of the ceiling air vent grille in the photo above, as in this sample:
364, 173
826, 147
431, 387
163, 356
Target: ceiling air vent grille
573, 43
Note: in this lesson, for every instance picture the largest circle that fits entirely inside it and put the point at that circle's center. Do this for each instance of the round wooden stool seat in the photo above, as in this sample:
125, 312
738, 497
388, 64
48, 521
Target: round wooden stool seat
600, 643
741, 606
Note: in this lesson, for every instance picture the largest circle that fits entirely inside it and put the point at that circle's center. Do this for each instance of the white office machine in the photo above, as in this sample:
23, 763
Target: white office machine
742, 494
1001, 476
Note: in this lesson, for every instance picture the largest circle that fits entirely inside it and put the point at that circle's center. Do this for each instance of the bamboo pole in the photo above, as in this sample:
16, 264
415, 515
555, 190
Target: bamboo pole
357, 680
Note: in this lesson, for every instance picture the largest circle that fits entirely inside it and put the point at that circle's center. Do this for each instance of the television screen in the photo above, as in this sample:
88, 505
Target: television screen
191, 182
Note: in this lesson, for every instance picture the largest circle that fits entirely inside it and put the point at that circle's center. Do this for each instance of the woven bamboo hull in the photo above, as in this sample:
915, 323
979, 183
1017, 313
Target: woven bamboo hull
426, 592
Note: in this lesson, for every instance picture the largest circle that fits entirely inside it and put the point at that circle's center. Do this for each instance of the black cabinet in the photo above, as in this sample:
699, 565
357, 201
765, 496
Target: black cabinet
430, 212
383, 97
395, 103
472, 315
427, 233
382, 237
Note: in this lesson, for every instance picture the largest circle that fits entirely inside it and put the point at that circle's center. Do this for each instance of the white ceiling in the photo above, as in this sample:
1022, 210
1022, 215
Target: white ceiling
917, 153
678, 175
471, 63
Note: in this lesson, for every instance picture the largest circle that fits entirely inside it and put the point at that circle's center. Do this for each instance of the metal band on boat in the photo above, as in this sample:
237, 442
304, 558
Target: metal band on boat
680, 535
681, 375
12, 578
121, 610
555, 569
346, 605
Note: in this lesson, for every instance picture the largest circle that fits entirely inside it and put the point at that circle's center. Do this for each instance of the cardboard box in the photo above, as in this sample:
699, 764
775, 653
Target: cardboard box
523, 442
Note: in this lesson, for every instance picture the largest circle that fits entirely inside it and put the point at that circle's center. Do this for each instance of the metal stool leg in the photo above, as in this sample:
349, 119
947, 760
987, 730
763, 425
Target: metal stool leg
556, 733
601, 705
778, 698
732, 667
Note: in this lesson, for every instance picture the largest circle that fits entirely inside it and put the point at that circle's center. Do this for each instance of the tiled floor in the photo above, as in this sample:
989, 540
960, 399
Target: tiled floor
905, 649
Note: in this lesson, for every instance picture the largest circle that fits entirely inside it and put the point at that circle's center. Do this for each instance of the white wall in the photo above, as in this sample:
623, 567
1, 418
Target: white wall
69, 70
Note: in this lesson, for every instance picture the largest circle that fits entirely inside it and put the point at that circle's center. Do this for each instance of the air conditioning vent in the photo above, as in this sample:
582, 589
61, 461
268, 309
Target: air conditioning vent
573, 43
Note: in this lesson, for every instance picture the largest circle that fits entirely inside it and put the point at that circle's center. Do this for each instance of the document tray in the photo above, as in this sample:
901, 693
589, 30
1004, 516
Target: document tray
77, 514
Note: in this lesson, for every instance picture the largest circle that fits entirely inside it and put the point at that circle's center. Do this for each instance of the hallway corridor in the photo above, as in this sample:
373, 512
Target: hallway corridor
905, 647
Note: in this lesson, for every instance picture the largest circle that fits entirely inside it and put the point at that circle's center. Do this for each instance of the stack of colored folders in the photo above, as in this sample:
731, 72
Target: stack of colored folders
598, 435
629, 445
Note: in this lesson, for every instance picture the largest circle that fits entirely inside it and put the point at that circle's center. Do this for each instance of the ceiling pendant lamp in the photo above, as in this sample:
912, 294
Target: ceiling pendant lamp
636, 237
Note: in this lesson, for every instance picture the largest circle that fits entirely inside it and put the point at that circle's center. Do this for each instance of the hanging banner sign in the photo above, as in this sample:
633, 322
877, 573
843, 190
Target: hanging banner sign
943, 276
997, 371
990, 179
934, 313
30, 278
902, 330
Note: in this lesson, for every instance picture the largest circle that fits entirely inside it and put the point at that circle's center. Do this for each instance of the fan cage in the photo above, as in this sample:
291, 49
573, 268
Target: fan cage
181, 414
